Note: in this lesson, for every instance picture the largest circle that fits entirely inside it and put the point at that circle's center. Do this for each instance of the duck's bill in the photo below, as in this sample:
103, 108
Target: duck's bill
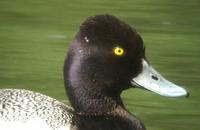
151, 80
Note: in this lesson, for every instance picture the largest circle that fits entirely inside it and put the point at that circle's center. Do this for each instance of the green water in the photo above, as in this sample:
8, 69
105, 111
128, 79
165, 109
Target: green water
34, 37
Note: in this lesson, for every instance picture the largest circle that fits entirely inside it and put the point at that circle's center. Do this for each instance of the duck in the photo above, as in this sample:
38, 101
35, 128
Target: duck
106, 57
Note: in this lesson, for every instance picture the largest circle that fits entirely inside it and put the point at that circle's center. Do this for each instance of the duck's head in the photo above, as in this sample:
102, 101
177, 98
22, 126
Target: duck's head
106, 57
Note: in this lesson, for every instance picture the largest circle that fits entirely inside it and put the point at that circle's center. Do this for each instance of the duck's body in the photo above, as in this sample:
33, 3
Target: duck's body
28, 110
106, 57
23, 109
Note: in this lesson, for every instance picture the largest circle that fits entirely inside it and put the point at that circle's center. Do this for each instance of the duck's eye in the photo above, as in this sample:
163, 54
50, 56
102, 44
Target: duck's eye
118, 51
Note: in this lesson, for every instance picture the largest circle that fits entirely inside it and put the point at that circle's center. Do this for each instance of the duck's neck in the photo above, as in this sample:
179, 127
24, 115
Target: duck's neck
118, 119
92, 101
87, 91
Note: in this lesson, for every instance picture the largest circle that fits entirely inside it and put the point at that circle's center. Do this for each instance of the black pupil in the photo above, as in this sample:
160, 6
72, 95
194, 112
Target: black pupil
119, 51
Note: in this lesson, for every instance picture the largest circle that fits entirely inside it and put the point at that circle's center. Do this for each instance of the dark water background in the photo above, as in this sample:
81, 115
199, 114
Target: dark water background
34, 37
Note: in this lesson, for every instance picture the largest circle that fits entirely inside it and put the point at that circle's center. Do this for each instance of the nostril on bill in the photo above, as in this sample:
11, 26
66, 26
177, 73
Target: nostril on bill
154, 77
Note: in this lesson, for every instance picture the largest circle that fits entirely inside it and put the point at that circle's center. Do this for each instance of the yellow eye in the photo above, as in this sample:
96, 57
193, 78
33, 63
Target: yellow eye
118, 51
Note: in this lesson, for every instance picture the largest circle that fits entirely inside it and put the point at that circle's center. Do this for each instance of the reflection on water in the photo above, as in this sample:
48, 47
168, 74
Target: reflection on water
34, 36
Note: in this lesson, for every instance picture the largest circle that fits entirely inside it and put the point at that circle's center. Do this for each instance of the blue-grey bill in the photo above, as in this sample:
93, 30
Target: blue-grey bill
151, 80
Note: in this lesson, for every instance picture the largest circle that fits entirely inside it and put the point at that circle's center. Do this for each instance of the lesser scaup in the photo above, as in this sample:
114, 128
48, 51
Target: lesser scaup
106, 57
